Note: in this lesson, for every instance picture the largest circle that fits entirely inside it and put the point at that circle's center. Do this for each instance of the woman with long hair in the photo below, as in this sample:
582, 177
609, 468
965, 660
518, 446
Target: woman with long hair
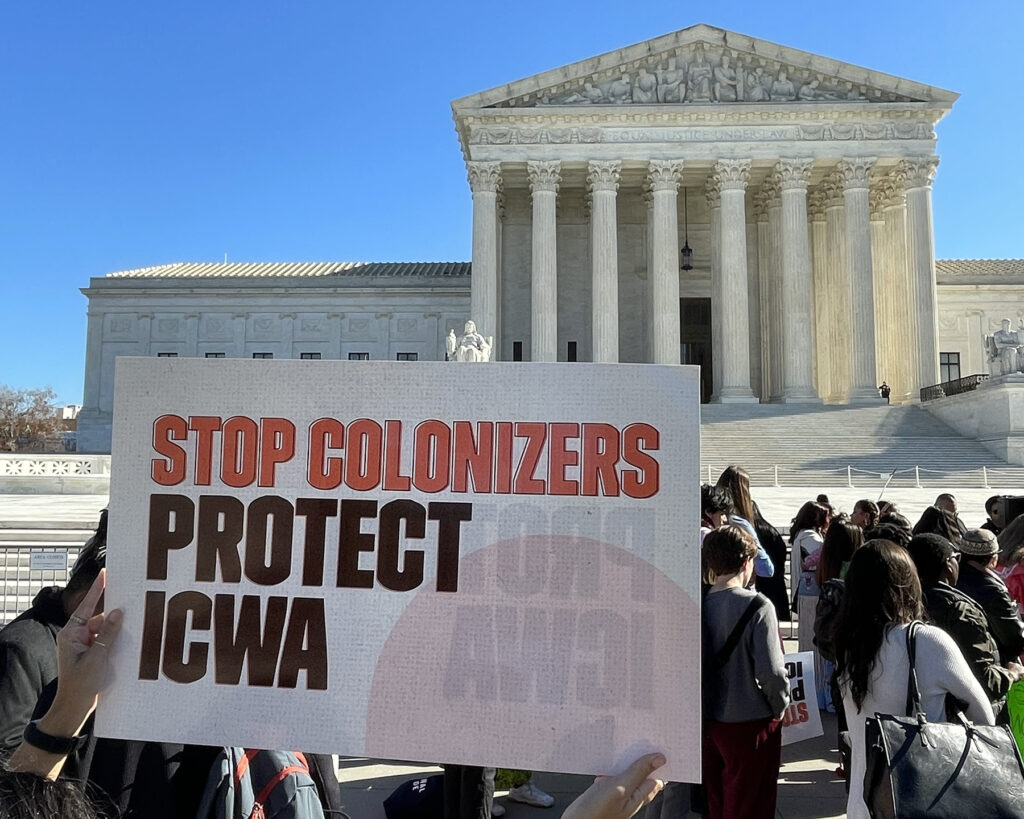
882, 598
737, 481
806, 537
842, 539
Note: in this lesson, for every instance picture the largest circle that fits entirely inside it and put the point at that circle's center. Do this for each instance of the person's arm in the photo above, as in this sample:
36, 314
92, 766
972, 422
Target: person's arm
769, 663
1005, 624
763, 566
20, 684
82, 656
619, 797
969, 631
937, 654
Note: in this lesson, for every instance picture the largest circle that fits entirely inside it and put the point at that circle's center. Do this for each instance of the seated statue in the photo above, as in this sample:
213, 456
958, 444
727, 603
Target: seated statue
1003, 349
471, 346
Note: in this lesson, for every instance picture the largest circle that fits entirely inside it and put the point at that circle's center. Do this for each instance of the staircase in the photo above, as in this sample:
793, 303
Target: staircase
815, 446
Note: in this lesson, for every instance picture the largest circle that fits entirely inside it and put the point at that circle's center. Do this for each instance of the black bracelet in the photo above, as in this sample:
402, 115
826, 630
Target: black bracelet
48, 742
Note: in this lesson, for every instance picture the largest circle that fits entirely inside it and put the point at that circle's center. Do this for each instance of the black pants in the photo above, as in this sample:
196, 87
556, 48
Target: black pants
468, 792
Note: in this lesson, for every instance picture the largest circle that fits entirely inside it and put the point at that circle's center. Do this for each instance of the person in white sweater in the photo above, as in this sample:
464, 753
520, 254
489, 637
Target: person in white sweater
882, 598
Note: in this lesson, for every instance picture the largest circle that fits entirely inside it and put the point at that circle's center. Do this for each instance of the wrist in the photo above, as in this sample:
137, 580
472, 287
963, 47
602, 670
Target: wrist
64, 719
57, 744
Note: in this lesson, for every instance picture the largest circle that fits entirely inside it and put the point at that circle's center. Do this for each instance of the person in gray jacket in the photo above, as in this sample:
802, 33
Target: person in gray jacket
747, 690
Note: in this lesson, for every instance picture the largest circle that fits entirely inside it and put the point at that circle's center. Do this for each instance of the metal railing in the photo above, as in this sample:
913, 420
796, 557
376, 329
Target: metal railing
19, 582
961, 385
918, 477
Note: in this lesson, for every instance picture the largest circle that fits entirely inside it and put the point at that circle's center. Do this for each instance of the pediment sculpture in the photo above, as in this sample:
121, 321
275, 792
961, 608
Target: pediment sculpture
703, 74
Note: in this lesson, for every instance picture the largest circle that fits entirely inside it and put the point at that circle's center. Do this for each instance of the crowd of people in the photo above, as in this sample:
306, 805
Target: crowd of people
858, 581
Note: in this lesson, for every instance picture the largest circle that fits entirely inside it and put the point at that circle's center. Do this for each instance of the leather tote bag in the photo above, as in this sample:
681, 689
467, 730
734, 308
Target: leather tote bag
917, 768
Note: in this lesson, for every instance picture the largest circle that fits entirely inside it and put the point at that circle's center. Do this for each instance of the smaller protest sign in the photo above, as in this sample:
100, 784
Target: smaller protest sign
801, 720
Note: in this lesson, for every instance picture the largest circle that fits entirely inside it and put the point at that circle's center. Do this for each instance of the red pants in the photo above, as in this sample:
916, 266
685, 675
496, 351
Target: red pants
741, 768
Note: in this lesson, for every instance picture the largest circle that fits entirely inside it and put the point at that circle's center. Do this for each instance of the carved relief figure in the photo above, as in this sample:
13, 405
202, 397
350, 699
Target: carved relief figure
698, 78
782, 88
471, 346
593, 93
671, 85
811, 91
757, 90
621, 89
1005, 347
725, 81
645, 89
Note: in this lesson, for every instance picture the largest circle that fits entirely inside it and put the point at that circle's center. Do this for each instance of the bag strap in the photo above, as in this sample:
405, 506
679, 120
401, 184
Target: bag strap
913, 692
733, 640
268, 788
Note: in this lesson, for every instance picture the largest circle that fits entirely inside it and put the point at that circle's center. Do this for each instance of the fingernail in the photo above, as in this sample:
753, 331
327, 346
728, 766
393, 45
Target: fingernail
115, 616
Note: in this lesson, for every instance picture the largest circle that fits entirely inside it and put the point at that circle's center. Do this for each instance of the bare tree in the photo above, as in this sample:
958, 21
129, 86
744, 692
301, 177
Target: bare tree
26, 416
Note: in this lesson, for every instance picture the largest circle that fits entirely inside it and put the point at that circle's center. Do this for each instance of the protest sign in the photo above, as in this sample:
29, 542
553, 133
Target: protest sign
489, 564
802, 719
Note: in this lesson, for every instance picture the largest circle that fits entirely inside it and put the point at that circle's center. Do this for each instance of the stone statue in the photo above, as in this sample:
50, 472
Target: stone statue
671, 83
471, 346
1005, 349
698, 78
782, 88
811, 91
645, 89
725, 81
593, 93
621, 90
756, 88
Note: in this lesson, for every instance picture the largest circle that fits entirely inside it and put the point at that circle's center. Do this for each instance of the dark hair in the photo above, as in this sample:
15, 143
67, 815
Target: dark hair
811, 516
841, 540
889, 531
25, 795
882, 591
990, 503
737, 481
823, 499
869, 506
930, 554
938, 522
1011, 539
725, 549
714, 499
896, 519
91, 559
944, 497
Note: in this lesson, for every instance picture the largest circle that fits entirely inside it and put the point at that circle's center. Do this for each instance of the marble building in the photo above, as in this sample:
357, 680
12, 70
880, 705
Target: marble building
802, 185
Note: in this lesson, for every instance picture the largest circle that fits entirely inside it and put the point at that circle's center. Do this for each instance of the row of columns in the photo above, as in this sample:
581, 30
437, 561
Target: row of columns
826, 277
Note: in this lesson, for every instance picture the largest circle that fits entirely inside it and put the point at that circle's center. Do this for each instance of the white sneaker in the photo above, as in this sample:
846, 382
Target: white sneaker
497, 809
530, 794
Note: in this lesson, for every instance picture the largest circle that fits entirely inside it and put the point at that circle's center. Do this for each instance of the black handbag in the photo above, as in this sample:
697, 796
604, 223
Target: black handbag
916, 768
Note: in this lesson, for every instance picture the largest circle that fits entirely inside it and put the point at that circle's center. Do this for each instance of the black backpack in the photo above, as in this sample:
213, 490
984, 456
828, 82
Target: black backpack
826, 616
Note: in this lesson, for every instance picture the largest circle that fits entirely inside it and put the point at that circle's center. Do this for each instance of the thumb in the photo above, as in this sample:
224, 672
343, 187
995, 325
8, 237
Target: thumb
111, 627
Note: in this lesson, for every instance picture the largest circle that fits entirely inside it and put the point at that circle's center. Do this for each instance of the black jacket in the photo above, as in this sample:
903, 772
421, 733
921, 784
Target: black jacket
28, 662
989, 591
963, 620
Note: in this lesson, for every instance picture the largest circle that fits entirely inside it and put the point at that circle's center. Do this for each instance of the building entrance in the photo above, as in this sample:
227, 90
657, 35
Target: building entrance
695, 341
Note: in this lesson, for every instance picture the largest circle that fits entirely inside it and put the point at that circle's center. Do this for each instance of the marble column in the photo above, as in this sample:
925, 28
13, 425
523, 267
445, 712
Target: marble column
663, 176
918, 174
648, 275
768, 331
731, 177
881, 278
816, 200
717, 314
797, 283
856, 185
544, 181
777, 316
603, 180
838, 315
903, 316
485, 182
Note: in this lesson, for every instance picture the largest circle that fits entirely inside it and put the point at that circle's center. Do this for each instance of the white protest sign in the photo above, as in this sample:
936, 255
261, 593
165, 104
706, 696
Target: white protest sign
488, 564
48, 561
802, 719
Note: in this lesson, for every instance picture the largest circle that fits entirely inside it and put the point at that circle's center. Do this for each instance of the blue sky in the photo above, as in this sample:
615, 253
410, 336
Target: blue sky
136, 134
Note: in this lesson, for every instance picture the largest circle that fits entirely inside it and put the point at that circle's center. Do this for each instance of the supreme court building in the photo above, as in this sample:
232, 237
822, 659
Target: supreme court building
700, 198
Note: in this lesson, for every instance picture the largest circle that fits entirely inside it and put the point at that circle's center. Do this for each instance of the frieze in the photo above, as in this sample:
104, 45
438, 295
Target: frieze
747, 133
701, 75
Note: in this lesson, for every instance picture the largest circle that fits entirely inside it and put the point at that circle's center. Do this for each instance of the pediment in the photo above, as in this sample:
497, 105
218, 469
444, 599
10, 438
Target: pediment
706, 65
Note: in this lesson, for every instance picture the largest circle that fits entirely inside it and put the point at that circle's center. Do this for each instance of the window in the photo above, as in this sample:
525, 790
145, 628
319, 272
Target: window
358, 356
309, 356
407, 357
949, 367
215, 355
262, 355
517, 351
571, 351
166, 355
